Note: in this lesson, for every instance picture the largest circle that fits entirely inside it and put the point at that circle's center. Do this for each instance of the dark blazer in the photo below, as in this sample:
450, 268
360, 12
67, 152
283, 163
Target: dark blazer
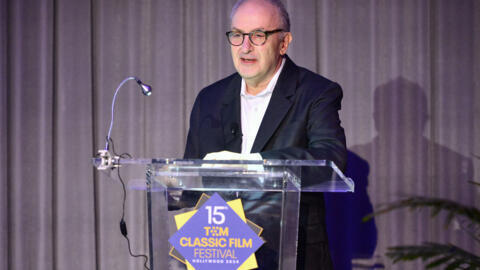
301, 122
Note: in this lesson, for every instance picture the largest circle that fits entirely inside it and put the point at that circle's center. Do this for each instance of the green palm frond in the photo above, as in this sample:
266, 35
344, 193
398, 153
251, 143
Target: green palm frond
447, 255
451, 208
475, 183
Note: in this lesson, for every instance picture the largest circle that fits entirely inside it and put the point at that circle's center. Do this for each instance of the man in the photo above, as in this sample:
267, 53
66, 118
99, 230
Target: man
271, 109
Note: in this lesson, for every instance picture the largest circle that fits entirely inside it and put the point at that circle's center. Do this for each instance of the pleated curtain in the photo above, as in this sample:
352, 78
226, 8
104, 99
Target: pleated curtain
411, 111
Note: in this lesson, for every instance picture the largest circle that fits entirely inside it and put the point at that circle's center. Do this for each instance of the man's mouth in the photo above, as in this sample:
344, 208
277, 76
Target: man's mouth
248, 60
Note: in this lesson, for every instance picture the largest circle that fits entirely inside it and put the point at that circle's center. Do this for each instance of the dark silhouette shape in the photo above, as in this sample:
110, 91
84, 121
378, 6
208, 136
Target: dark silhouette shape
399, 161
348, 236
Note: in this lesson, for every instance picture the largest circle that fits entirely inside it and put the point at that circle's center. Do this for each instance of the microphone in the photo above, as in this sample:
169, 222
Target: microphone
104, 154
146, 89
234, 129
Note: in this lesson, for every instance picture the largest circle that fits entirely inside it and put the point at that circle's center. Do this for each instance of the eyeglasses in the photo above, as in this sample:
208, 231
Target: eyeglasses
257, 37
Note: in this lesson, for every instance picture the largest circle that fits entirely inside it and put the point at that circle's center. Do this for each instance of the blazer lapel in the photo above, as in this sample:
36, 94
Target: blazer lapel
278, 107
230, 115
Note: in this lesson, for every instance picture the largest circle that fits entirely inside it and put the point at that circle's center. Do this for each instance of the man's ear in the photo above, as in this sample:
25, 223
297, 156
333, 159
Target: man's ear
285, 42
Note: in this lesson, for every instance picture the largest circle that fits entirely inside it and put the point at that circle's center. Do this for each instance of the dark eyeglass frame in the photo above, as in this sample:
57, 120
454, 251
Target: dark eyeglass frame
267, 33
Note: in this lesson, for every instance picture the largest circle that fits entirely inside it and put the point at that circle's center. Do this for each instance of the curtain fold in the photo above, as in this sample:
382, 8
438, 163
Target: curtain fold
29, 138
4, 224
74, 187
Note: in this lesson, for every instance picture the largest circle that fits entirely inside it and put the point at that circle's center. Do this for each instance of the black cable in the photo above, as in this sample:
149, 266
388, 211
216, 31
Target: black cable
113, 149
123, 225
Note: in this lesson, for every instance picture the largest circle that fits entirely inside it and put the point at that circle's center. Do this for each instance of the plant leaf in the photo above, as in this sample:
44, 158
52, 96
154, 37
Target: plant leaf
475, 183
454, 265
436, 254
452, 208
438, 262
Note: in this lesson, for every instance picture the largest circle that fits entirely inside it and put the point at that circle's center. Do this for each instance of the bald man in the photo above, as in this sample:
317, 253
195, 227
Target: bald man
271, 109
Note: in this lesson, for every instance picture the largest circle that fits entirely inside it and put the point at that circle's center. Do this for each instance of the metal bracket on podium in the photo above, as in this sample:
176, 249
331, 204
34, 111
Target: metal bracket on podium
105, 160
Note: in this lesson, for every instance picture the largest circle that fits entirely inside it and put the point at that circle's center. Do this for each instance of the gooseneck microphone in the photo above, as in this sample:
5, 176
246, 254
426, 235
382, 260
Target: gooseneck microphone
107, 160
146, 90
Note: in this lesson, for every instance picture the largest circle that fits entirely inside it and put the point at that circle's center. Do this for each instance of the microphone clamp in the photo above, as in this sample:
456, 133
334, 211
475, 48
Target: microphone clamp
107, 161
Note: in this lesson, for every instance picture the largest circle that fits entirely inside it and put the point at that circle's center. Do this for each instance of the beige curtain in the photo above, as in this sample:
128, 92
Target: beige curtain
411, 111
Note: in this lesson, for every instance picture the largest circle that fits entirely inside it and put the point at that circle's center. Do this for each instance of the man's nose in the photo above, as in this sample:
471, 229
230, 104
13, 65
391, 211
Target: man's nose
246, 45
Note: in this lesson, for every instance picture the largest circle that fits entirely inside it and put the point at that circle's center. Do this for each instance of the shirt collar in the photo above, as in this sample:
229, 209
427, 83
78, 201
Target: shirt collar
270, 86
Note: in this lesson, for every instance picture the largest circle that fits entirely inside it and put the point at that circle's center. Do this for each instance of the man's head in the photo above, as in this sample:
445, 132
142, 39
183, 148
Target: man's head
258, 63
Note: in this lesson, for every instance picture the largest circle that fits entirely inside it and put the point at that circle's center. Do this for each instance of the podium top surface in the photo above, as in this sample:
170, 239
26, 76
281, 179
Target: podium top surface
188, 162
311, 175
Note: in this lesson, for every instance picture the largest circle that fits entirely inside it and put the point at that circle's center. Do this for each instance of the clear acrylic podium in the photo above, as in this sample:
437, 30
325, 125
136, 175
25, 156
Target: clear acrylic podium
190, 205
